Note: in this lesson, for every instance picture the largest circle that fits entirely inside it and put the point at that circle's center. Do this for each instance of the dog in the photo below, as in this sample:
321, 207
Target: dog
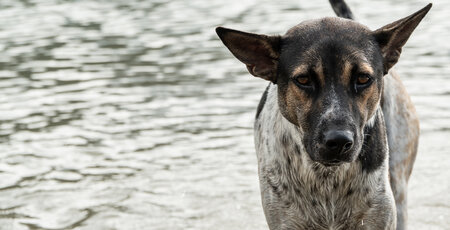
336, 134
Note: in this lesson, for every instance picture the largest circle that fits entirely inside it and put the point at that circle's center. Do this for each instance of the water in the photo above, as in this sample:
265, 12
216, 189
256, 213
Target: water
132, 115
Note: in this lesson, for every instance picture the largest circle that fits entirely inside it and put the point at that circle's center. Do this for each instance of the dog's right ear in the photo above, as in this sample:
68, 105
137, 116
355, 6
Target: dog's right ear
259, 53
392, 37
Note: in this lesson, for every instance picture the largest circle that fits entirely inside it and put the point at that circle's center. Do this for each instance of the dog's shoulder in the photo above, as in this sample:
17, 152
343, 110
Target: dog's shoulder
402, 125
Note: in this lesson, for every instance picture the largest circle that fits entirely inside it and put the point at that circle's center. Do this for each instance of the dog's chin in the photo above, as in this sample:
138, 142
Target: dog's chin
327, 163
332, 163
335, 162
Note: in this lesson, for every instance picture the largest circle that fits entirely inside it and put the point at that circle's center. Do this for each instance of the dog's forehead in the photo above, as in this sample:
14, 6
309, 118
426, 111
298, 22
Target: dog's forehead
328, 26
325, 40
318, 33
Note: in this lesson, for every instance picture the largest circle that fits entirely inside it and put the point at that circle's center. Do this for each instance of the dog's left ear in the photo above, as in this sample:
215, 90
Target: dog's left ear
257, 51
392, 37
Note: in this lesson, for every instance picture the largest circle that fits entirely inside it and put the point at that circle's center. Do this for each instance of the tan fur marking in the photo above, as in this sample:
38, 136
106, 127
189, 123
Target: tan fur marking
346, 73
367, 105
365, 68
300, 70
362, 62
296, 98
320, 73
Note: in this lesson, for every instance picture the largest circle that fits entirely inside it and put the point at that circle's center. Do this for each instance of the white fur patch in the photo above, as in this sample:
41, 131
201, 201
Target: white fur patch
334, 105
371, 121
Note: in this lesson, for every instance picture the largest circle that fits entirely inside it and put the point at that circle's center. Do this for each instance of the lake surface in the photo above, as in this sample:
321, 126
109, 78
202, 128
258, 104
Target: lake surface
132, 114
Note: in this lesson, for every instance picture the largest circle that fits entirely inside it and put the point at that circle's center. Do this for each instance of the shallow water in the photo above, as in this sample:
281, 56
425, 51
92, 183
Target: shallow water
132, 115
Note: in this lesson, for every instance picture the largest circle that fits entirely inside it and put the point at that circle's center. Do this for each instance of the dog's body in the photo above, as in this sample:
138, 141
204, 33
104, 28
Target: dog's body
335, 138
299, 194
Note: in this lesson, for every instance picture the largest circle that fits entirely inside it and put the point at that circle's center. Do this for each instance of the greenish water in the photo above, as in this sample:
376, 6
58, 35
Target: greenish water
132, 115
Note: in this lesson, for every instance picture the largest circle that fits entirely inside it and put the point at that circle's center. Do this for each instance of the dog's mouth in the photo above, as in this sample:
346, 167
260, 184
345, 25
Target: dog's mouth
332, 163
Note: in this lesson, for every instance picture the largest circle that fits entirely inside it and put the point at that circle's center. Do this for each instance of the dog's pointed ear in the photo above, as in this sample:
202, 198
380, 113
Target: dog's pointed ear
258, 52
392, 37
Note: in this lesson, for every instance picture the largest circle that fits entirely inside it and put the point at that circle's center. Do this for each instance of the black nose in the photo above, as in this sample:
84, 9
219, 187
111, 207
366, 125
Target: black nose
338, 141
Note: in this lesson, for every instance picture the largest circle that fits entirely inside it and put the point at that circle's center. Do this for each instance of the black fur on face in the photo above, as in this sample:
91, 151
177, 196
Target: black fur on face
320, 70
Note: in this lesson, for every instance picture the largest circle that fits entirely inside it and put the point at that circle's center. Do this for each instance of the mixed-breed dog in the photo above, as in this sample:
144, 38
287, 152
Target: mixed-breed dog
336, 133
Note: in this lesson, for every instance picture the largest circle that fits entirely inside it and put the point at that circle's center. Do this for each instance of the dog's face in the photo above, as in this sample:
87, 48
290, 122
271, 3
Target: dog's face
329, 74
329, 85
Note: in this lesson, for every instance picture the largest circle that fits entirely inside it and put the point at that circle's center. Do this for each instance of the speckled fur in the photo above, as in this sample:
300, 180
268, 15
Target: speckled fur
298, 193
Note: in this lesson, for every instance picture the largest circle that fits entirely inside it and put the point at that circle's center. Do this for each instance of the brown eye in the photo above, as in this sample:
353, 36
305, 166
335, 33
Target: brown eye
363, 79
303, 80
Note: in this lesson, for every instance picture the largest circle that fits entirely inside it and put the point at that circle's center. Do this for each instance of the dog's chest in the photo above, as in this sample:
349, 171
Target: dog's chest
327, 204
316, 199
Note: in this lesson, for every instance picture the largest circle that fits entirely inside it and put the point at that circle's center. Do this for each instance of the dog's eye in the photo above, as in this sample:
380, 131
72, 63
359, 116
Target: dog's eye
303, 81
363, 79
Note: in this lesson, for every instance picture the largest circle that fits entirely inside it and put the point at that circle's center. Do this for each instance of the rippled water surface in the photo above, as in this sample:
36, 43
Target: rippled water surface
132, 115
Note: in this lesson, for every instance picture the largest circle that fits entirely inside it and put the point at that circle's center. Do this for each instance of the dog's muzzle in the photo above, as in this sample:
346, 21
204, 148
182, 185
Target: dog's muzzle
336, 147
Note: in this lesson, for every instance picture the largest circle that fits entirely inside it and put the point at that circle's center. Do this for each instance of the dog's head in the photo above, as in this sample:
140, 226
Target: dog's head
329, 73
